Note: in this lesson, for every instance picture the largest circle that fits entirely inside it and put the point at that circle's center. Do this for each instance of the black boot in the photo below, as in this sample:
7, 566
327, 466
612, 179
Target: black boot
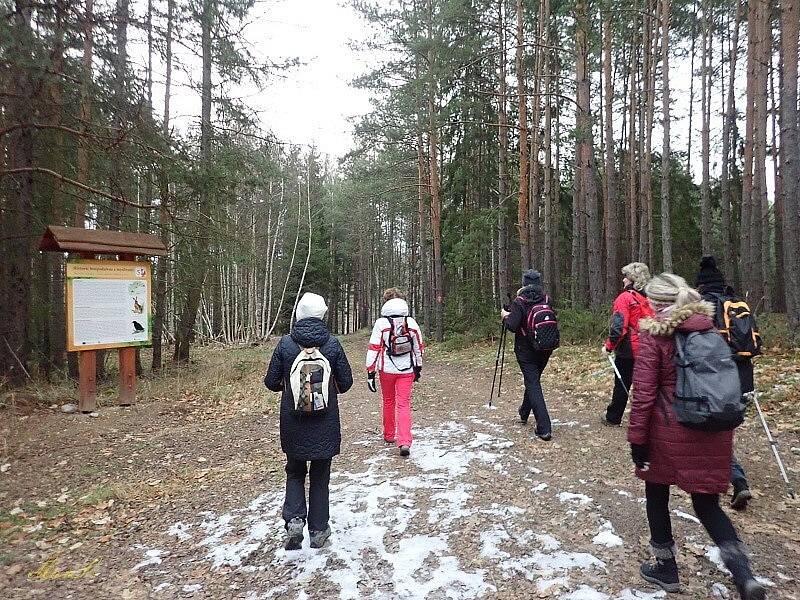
741, 494
664, 571
738, 564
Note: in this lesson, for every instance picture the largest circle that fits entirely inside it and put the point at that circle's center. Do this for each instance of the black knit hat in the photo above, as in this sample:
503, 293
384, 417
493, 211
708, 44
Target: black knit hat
709, 274
532, 277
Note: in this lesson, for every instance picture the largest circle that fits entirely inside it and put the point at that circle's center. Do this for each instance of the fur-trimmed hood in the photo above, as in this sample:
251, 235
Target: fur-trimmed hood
665, 324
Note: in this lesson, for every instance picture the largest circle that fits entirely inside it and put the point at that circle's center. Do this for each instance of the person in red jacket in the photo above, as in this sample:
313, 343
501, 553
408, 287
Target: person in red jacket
623, 336
667, 453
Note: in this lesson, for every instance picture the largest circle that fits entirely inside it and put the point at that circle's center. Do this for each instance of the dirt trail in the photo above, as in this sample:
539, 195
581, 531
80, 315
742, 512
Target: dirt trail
181, 499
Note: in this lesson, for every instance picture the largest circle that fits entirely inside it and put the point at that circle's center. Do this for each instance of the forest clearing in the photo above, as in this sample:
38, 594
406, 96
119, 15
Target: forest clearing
179, 496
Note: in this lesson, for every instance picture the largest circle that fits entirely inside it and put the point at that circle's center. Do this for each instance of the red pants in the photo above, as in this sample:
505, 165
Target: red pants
396, 391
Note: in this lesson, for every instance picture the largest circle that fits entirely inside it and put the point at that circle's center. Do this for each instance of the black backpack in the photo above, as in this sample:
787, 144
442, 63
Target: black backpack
708, 396
541, 326
737, 324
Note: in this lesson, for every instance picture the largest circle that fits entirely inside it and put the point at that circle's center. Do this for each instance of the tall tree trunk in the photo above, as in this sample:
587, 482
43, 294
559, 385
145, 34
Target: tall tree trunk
184, 332
666, 234
705, 200
790, 158
610, 206
535, 246
120, 176
728, 126
585, 163
632, 163
502, 179
779, 291
522, 205
15, 343
436, 200
160, 312
57, 313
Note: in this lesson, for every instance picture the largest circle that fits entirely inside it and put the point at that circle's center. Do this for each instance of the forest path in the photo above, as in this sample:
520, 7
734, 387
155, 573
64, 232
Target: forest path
481, 509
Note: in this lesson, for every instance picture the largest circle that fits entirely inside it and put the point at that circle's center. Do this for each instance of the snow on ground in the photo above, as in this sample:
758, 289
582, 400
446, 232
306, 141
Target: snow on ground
400, 530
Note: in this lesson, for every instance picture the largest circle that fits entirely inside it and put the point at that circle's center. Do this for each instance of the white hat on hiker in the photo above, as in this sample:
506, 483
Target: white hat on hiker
311, 306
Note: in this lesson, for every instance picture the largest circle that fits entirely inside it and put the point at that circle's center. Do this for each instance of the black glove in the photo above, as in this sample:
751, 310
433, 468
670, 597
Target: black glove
371, 381
640, 455
417, 374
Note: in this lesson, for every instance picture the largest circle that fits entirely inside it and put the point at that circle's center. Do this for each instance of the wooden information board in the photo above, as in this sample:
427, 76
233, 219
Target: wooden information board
108, 304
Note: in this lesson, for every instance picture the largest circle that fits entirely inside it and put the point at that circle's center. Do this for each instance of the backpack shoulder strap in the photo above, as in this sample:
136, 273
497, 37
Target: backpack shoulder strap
681, 340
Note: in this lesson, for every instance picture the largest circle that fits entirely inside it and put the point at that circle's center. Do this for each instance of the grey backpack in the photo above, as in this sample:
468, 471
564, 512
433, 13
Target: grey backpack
708, 395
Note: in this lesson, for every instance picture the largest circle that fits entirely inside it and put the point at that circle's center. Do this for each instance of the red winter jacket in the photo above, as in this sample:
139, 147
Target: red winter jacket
623, 335
695, 461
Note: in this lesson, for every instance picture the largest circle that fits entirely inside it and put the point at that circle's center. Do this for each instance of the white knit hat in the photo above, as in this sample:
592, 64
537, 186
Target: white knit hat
311, 305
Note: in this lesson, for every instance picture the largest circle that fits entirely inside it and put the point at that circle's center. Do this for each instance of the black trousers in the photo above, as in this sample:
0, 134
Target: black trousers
294, 505
619, 398
533, 400
706, 507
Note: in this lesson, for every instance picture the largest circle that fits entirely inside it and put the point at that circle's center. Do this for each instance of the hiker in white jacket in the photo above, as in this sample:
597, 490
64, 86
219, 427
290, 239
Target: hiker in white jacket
395, 351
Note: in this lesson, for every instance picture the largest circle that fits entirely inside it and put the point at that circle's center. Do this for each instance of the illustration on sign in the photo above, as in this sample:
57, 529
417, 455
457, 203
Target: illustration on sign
108, 304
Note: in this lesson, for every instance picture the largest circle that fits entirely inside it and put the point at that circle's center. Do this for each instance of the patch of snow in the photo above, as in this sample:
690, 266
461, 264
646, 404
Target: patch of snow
162, 586
686, 516
547, 541
180, 530
713, 554
765, 581
718, 590
570, 497
624, 493
539, 487
191, 588
584, 592
606, 536
152, 556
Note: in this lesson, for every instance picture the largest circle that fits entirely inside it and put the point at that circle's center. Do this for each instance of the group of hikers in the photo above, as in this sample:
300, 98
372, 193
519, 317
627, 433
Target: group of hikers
682, 356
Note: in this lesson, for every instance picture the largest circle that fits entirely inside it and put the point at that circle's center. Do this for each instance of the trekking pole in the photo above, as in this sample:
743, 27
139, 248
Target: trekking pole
773, 444
497, 360
502, 362
616, 372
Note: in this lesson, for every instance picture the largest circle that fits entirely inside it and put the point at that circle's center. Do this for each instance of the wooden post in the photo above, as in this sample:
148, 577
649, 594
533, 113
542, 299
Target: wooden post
87, 381
127, 376
127, 365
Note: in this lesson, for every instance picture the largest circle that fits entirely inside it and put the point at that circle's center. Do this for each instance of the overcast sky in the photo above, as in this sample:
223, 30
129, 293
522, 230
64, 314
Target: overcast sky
314, 104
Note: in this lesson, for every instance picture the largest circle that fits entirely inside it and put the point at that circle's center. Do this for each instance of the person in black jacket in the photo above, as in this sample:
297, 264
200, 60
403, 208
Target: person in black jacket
711, 285
314, 438
531, 362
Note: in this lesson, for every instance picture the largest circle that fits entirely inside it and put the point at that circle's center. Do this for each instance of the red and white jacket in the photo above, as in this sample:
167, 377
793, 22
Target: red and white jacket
377, 359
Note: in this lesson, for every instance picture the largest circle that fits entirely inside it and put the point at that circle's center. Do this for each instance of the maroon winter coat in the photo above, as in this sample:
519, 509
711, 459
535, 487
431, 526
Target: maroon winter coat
695, 461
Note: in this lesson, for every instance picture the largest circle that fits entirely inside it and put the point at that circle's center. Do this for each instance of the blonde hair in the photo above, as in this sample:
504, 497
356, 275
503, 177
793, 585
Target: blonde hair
392, 293
669, 289
638, 273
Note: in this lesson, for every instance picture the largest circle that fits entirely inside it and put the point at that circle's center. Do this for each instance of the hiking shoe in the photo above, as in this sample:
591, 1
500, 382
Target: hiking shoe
752, 590
741, 495
663, 571
318, 538
405, 450
523, 418
294, 534
608, 423
545, 437
735, 559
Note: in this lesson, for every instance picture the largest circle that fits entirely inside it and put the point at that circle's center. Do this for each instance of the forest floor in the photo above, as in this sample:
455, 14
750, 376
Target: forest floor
180, 495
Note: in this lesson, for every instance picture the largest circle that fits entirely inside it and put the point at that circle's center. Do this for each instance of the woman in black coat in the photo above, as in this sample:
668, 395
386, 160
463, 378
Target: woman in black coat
314, 438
